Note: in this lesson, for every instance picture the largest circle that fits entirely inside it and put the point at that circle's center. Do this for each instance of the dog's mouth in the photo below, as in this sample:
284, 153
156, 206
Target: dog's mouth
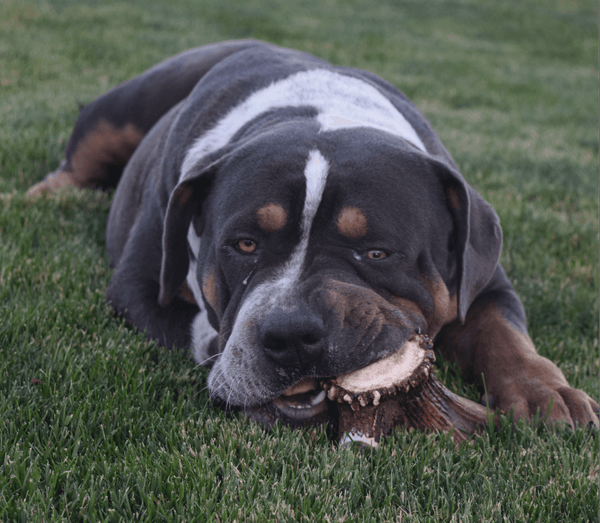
304, 400
308, 398
398, 390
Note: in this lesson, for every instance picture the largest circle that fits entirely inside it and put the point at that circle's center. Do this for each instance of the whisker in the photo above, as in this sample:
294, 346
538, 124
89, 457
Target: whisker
202, 363
218, 374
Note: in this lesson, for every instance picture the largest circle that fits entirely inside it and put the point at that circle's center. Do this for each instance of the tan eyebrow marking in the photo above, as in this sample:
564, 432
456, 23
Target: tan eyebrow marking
352, 222
271, 217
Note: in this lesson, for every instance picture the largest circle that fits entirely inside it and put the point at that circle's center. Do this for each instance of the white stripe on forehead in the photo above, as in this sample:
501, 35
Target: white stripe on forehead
341, 101
316, 176
315, 173
284, 280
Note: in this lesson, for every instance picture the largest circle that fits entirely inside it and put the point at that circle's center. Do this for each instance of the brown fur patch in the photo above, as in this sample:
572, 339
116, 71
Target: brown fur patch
516, 377
486, 343
352, 223
105, 145
452, 312
453, 198
363, 308
485, 318
272, 217
186, 294
406, 306
183, 194
209, 289
444, 306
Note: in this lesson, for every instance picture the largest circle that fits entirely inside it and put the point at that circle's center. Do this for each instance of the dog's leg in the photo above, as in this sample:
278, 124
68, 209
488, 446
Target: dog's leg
109, 129
493, 345
134, 287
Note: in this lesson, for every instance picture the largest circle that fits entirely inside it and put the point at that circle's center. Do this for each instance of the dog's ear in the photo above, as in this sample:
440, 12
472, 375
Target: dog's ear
185, 202
478, 236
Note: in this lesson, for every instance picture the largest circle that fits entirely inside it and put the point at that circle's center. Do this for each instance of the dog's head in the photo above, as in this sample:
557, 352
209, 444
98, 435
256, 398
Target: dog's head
322, 252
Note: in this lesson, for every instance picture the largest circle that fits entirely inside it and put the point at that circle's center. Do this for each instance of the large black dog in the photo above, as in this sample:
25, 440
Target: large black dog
288, 220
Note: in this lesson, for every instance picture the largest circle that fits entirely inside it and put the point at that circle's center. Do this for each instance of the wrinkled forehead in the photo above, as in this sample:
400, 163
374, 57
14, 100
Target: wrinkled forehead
365, 170
268, 168
384, 174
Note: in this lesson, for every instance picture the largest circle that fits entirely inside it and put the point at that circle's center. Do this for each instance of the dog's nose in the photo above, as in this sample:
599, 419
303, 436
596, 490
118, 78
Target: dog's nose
293, 338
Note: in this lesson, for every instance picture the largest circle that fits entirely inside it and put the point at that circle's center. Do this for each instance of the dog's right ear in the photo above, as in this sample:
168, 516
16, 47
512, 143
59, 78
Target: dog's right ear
185, 202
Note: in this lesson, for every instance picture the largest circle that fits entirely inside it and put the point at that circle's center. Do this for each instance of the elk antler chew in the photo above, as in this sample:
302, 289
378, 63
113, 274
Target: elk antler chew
400, 390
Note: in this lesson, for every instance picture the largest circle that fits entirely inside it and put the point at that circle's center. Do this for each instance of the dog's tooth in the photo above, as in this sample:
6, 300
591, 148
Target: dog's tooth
332, 393
314, 409
376, 397
318, 398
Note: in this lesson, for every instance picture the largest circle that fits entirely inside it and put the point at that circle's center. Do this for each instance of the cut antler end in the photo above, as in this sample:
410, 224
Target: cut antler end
401, 391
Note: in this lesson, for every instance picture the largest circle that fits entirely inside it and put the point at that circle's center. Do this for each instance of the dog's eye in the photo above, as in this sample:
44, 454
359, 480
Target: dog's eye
376, 254
246, 246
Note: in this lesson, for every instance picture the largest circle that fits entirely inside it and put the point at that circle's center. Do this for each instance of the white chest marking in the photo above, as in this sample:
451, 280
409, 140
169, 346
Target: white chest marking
341, 101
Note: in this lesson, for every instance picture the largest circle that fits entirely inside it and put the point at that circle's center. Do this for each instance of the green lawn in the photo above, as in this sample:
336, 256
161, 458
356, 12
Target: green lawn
98, 424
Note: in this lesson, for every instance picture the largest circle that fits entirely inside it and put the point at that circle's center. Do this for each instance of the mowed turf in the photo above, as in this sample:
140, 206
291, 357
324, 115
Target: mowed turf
98, 424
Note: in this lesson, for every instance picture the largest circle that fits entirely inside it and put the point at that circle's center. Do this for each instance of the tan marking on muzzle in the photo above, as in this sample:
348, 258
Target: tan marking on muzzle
362, 308
352, 223
406, 305
272, 217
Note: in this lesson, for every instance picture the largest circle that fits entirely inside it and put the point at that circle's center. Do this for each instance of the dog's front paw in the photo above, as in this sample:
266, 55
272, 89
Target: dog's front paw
553, 404
540, 388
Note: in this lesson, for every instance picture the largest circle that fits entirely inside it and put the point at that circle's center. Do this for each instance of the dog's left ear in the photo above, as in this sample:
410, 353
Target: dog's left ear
478, 236
185, 202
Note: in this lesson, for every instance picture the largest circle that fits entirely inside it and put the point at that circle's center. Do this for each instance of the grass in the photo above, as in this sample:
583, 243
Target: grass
99, 424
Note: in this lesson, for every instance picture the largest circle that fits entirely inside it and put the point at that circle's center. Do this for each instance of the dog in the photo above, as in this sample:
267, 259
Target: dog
288, 220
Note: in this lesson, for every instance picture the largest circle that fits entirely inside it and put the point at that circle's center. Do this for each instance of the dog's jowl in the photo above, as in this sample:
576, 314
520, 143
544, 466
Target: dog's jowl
289, 221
